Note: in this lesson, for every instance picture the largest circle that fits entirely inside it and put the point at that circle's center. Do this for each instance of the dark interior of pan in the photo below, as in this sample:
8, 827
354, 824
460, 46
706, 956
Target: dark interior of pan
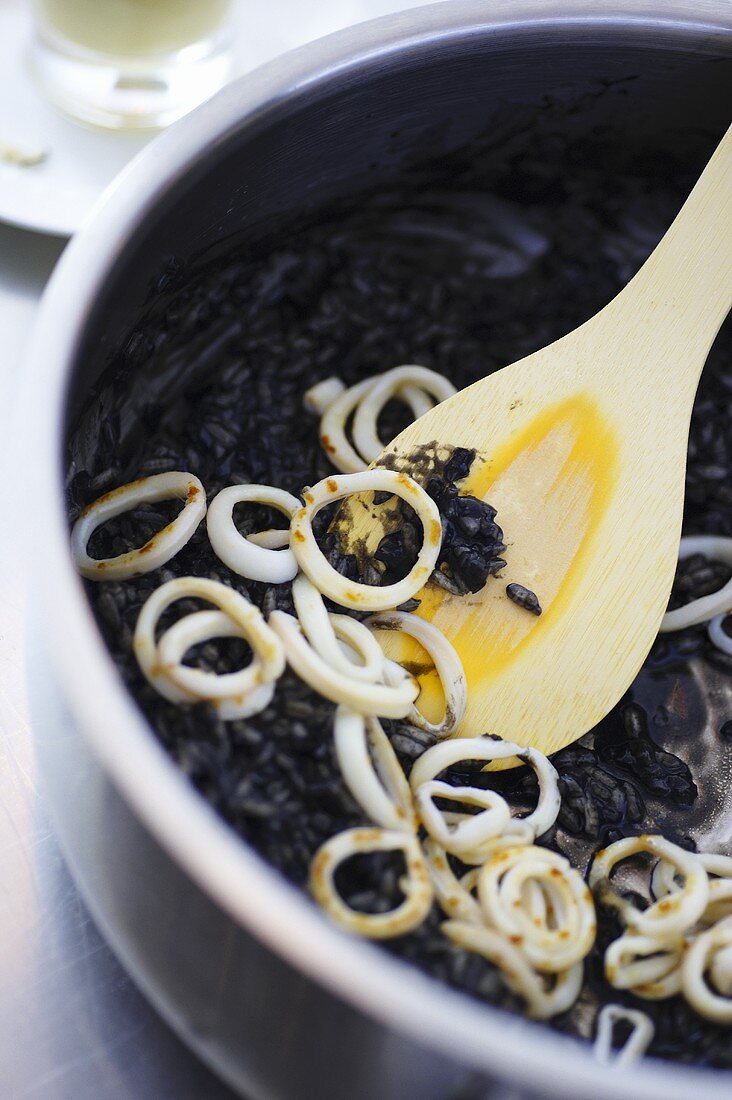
451, 149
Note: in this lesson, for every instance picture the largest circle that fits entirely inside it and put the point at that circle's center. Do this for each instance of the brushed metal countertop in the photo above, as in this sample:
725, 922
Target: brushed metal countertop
72, 1024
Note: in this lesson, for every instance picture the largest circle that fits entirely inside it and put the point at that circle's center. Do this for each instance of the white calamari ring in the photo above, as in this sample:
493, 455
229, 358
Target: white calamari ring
204, 626
469, 883
473, 829
518, 836
375, 778
719, 905
439, 757
274, 538
649, 966
322, 394
717, 864
564, 989
335, 417
636, 1044
700, 958
392, 384
447, 664
453, 894
542, 1001
173, 485
719, 870
385, 700
720, 971
476, 857
706, 607
347, 593
415, 884
718, 636
317, 626
239, 552
180, 684
333, 422
663, 877
669, 916
518, 888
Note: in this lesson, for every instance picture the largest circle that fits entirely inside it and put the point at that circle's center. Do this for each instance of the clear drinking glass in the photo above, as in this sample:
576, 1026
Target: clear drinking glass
131, 64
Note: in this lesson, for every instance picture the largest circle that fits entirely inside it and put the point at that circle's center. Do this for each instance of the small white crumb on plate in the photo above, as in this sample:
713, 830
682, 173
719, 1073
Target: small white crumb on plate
21, 157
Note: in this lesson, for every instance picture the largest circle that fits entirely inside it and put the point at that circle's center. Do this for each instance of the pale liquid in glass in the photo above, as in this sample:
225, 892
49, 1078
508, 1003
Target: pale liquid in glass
131, 64
132, 28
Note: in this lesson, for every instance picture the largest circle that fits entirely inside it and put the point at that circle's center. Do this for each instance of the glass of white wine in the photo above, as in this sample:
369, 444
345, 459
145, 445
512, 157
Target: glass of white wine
131, 64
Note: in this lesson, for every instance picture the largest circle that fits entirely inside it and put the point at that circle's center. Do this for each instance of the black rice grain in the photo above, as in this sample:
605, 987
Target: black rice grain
524, 597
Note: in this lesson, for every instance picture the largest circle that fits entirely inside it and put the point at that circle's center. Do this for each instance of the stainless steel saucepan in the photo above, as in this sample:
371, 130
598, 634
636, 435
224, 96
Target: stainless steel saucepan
281, 1004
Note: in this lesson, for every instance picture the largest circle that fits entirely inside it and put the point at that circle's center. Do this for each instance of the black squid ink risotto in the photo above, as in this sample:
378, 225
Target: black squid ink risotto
467, 264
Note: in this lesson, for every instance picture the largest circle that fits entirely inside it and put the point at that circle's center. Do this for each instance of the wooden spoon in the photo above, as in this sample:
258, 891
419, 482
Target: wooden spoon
582, 449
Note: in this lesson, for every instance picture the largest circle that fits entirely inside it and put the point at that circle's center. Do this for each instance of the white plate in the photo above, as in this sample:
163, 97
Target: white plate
53, 196
56, 195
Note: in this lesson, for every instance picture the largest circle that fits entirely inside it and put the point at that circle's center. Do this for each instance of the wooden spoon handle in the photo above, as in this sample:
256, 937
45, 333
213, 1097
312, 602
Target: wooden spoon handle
680, 297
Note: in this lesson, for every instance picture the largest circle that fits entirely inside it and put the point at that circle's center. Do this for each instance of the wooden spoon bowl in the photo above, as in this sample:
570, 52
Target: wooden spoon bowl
581, 447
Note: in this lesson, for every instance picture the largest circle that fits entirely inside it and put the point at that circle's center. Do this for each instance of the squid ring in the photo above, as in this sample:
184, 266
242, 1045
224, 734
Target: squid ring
706, 607
240, 552
518, 886
439, 757
710, 952
415, 884
473, 829
720, 901
317, 625
716, 864
322, 394
336, 413
519, 835
637, 1043
519, 976
448, 665
271, 539
391, 384
347, 593
379, 784
391, 700
647, 965
453, 894
161, 547
335, 417
180, 684
333, 422
717, 634
669, 916
720, 970
663, 878
203, 626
